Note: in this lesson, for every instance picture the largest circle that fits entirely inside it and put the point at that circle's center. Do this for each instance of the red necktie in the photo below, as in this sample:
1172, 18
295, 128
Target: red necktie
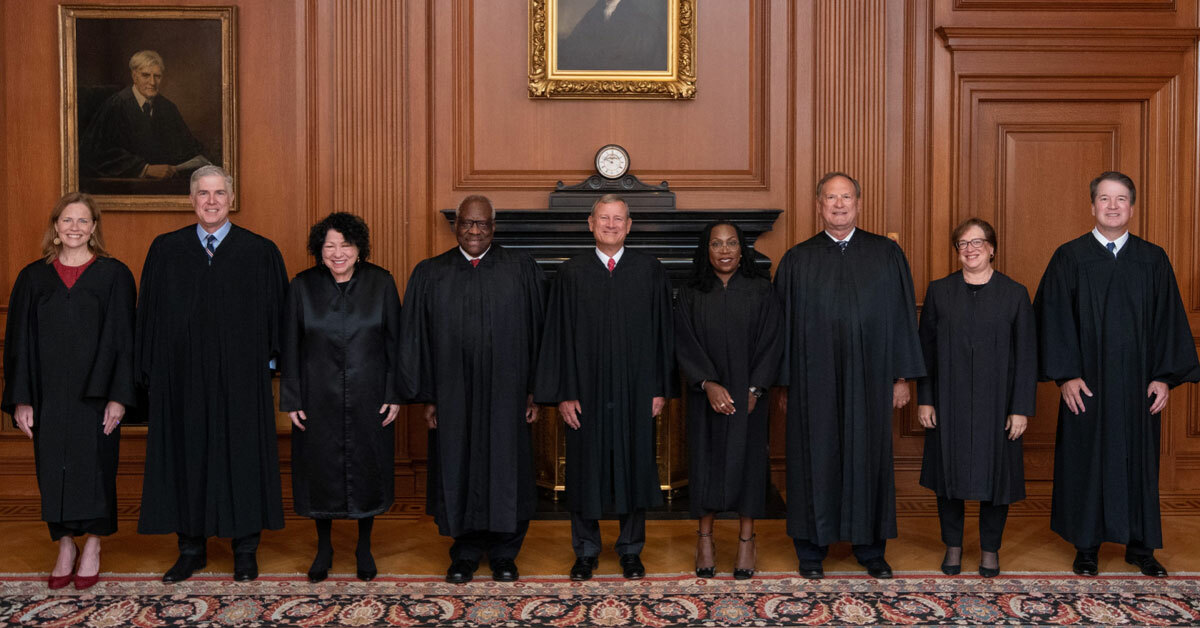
612, 263
475, 262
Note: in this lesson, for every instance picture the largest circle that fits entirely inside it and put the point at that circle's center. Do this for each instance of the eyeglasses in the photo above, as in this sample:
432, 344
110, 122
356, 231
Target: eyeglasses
483, 225
977, 243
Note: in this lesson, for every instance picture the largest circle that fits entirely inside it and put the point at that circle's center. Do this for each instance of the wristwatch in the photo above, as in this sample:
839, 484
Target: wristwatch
757, 392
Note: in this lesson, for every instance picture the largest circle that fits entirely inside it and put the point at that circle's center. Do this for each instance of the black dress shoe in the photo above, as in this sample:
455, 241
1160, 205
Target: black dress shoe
583, 567
245, 567
812, 570
631, 565
319, 570
1086, 564
365, 566
956, 568
504, 570
461, 571
184, 567
1148, 564
878, 568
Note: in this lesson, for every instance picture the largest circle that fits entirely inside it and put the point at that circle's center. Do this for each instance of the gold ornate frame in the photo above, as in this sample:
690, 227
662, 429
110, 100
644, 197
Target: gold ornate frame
546, 81
68, 15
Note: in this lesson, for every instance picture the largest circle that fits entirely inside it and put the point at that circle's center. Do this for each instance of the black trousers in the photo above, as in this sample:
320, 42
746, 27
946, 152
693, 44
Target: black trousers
809, 552
95, 527
991, 523
472, 546
196, 545
585, 534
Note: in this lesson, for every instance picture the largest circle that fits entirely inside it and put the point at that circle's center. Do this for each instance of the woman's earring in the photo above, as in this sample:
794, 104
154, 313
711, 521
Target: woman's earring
57, 241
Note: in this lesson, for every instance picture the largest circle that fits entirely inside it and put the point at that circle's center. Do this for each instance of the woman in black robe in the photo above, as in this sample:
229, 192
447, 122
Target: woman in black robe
340, 386
68, 377
978, 334
727, 323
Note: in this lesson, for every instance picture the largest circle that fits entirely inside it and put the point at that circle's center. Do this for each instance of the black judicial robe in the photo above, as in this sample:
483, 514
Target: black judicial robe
851, 331
340, 362
1118, 323
121, 139
204, 337
981, 363
608, 343
469, 344
729, 335
68, 353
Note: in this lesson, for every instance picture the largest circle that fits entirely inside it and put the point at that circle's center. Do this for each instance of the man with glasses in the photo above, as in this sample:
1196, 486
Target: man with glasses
1114, 336
851, 345
471, 323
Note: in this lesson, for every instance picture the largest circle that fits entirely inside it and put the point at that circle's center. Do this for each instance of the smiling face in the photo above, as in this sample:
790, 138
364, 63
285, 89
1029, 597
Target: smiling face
838, 205
724, 251
1112, 209
147, 79
474, 227
74, 226
974, 251
339, 255
211, 199
610, 223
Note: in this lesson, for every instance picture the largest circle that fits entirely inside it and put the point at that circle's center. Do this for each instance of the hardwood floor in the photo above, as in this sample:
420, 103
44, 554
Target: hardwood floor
407, 547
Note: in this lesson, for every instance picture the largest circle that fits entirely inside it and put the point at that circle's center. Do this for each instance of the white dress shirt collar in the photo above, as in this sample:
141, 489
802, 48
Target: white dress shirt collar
604, 258
468, 255
1120, 242
848, 235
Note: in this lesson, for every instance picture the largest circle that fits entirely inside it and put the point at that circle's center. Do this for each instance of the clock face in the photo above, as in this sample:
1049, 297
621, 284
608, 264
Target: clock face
612, 161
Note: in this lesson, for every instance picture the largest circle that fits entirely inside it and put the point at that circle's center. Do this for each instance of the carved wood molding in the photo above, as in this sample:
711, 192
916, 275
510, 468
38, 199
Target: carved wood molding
1068, 40
1064, 5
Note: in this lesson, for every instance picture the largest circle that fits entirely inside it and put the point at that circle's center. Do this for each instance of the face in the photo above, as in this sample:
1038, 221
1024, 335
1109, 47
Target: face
974, 251
1112, 208
610, 223
724, 250
147, 79
211, 201
838, 204
74, 226
338, 255
474, 228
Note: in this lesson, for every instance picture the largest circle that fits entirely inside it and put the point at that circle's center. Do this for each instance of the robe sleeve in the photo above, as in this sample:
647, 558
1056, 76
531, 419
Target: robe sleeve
291, 393
19, 359
768, 346
1173, 360
783, 276
906, 350
111, 378
416, 362
147, 310
694, 363
557, 376
276, 289
391, 322
927, 330
1057, 329
535, 294
101, 149
665, 384
1023, 397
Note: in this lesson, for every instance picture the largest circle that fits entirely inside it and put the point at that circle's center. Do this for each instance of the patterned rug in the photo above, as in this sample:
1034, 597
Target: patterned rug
664, 600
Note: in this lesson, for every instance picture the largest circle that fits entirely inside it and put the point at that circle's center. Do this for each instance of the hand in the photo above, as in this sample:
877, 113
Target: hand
531, 410
298, 418
24, 418
657, 405
431, 416
159, 171
927, 416
1070, 393
1160, 391
114, 411
570, 411
750, 404
900, 394
392, 409
1015, 425
719, 398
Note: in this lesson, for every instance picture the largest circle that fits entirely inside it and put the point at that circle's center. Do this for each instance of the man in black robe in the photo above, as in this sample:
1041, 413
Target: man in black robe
618, 35
1114, 336
138, 132
208, 324
850, 322
471, 326
606, 360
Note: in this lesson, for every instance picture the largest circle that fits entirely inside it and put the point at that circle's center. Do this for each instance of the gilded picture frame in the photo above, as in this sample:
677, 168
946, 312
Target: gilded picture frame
131, 136
596, 49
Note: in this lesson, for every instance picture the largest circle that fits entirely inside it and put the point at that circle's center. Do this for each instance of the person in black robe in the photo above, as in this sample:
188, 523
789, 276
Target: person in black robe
727, 325
606, 360
340, 385
472, 325
1114, 336
208, 330
68, 377
977, 332
618, 35
851, 344
138, 132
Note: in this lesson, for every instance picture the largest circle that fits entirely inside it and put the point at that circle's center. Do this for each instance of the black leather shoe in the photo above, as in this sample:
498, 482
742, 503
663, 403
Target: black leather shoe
952, 569
365, 566
504, 570
878, 568
184, 567
583, 567
1086, 564
1148, 564
813, 570
461, 572
245, 567
319, 570
631, 564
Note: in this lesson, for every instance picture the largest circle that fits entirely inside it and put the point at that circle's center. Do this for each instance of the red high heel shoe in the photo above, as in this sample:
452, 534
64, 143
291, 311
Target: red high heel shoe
58, 582
86, 582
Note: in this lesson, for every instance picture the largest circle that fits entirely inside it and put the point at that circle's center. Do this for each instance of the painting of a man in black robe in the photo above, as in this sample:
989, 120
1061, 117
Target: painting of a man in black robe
621, 35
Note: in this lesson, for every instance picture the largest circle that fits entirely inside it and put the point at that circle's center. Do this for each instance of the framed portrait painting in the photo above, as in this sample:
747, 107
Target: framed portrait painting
612, 49
148, 96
